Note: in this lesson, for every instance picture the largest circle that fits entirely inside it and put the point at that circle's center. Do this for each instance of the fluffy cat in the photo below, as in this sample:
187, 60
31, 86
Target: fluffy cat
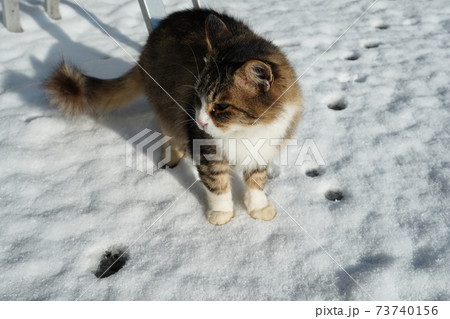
206, 75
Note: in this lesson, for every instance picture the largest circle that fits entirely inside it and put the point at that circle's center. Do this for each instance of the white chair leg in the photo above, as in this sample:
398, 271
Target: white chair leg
201, 4
52, 9
11, 15
153, 11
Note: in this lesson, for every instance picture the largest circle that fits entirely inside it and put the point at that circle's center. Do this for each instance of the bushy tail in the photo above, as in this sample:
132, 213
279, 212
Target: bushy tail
75, 93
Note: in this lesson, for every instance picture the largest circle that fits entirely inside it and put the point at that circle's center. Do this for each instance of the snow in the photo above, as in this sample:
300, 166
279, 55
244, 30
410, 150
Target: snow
67, 196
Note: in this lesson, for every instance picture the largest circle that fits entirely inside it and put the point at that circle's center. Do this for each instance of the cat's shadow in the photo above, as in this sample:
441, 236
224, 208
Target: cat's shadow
126, 122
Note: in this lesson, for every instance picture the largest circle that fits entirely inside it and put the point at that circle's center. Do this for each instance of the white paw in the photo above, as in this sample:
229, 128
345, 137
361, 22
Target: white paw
266, 213
255, 199
219, 218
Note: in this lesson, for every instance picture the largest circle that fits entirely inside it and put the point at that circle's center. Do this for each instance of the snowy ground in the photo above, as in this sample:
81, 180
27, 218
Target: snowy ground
67, 196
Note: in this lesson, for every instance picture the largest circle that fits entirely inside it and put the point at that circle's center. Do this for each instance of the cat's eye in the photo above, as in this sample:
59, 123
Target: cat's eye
220, 107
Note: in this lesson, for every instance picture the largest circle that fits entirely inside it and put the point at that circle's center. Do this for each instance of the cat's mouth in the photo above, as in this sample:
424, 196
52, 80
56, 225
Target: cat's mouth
208, 127
201, 125
206, 124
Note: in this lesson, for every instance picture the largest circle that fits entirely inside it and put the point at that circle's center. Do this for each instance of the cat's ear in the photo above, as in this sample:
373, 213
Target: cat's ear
216, 31
255, 76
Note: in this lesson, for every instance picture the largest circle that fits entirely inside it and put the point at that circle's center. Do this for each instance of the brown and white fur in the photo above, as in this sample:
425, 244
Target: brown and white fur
206, 75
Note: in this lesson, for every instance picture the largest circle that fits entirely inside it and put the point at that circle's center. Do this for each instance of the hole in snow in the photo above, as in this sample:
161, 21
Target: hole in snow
312, 169
370, 44
351, 56
111, 262
379, 24
334, 195
336, 103
382, 26
312, 173
360, 78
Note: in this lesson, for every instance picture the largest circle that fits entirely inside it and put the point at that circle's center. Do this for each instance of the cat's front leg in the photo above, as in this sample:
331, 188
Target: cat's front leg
256, 202
216, 179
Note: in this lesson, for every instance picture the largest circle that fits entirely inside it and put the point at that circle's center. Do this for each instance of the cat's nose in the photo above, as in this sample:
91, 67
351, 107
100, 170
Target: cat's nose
203, 125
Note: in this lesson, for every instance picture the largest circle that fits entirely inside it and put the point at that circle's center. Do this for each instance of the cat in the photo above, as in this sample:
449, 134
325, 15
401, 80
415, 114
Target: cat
206, 76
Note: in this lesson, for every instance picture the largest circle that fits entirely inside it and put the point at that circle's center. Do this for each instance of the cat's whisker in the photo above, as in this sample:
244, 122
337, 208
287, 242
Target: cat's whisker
182, 124
186, 103
217, 67
178, 64
195, 59
185, 121
188, 85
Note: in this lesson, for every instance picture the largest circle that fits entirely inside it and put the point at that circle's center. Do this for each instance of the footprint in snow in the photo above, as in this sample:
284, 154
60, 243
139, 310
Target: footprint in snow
312, 172
379, 24
351, 55
370, 44
334, 195
335, 102
360, 78
111, 262
312, 169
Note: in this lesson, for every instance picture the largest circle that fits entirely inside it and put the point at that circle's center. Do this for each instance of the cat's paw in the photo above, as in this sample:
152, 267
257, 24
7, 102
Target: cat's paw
219, 218
265, 213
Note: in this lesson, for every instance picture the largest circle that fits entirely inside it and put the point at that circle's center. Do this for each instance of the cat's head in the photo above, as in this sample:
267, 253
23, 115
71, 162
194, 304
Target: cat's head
241, 81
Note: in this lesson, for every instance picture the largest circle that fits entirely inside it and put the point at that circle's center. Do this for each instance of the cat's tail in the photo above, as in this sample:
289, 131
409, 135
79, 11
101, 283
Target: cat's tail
76, 93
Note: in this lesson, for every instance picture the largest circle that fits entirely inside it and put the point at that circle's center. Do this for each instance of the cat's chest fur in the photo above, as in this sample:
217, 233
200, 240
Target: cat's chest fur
258, 144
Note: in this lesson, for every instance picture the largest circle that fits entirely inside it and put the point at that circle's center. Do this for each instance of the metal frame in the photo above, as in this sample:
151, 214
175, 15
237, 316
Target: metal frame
154, 11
